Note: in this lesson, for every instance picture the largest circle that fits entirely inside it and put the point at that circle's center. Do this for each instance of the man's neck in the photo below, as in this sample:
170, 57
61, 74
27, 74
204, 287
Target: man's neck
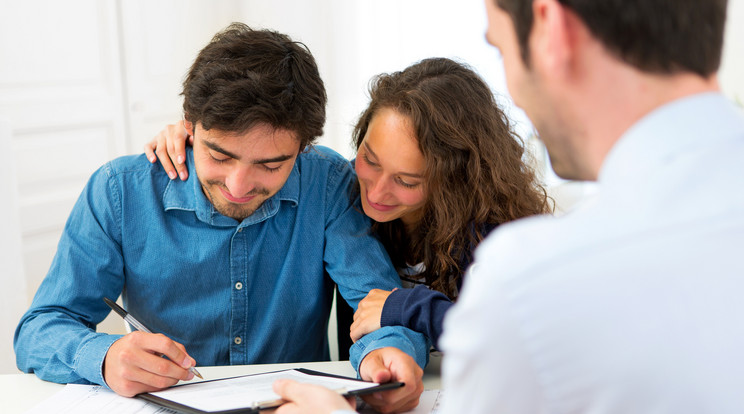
622, 98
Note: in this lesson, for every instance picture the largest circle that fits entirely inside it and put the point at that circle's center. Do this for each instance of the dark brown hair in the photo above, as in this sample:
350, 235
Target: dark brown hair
474, 177
244, 77
657, 36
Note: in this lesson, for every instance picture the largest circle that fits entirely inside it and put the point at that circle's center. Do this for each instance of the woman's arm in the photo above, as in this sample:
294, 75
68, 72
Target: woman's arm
420, 309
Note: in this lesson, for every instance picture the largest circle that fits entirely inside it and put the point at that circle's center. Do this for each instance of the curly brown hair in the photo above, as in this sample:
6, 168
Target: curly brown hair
475, 175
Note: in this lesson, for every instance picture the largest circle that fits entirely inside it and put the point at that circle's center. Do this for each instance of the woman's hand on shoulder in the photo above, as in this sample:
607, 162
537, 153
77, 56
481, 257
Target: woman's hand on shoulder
169, 146
368, 314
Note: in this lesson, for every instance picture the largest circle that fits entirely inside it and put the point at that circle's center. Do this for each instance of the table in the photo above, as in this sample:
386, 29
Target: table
21, 392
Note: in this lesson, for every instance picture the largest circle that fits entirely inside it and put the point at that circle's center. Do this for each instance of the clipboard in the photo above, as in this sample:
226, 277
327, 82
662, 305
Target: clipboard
180, 397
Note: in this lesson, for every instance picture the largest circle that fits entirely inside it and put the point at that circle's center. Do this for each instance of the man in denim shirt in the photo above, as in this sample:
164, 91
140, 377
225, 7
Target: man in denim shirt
231, 264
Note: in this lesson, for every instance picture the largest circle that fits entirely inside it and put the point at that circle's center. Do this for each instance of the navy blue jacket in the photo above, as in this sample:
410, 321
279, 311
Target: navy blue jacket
420, 308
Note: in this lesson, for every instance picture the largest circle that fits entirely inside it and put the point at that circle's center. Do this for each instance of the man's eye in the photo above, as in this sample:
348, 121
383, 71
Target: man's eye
218, 160
271, 169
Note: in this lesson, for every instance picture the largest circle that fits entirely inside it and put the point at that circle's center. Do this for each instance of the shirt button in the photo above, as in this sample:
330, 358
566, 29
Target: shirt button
240, 230
238, 340
238, 286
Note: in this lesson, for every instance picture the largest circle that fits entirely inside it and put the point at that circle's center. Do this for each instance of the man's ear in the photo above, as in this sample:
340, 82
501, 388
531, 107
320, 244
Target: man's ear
551, 41
189, 127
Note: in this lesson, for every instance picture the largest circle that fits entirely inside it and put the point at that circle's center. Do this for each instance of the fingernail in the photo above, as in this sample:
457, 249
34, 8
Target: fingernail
187, 363
190, 377
180, 159
152, 159
183, 175
172, 175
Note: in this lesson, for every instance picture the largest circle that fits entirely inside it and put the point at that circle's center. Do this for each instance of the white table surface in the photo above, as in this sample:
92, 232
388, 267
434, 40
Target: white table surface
21, 392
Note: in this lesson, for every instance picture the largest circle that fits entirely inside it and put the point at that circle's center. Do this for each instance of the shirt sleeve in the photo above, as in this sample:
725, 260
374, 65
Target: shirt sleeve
487, 367
56, 337
358, 263
420, 309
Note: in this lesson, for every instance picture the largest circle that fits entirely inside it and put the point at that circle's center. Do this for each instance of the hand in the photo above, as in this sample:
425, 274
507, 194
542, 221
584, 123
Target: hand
308, 398
391, 364
170, 147
369, 311
134, 364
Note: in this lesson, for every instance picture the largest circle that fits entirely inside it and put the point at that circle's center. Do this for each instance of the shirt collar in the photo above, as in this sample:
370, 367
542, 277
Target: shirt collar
189, 196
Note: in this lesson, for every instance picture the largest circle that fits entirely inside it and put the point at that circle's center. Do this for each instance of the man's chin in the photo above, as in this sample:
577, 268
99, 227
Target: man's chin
237, 212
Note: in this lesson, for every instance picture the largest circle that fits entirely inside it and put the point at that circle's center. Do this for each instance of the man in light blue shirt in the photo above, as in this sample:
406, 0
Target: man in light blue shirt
237, 264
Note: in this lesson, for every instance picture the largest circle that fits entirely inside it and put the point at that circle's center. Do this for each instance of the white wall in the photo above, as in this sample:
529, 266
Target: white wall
12, 287
353, 40
732, 65
81, 82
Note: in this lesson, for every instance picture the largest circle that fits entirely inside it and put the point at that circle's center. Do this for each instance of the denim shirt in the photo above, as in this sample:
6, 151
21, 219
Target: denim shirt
231, 292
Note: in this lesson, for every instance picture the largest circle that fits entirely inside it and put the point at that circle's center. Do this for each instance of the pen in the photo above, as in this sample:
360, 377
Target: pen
137, 324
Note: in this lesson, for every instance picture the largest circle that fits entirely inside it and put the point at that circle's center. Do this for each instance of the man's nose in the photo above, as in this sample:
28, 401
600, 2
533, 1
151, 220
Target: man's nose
240, 181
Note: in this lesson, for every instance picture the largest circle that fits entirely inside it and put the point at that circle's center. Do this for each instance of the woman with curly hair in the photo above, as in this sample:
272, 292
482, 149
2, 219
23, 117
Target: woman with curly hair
439, 167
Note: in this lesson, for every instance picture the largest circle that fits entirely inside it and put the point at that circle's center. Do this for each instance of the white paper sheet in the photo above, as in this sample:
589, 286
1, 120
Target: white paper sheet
94, 399
428, 404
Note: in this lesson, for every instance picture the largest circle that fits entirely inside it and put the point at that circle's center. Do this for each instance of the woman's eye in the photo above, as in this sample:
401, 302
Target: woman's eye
407, 185
368, 161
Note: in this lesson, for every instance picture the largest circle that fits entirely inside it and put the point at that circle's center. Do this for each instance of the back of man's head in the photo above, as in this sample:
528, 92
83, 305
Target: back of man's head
246, 77
657, 36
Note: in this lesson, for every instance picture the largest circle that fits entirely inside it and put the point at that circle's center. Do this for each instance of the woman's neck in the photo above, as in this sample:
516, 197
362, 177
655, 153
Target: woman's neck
411, 222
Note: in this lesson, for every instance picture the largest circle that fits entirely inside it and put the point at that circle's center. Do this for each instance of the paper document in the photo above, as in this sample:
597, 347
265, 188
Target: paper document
248, 391
428, 404
94, 399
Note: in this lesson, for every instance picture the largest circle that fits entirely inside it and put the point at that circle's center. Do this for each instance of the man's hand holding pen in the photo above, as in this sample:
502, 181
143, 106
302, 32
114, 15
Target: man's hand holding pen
134, 364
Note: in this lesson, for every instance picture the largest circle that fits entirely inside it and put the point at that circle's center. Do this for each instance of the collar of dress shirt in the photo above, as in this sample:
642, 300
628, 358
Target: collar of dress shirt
188, 195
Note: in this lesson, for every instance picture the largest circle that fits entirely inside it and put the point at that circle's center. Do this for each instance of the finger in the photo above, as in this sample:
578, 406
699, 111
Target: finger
288, 408
165, 160
283, 388
157, 372
150, 151
162, 345
352, 401
377, 373
358, 330
386, 405
132, 369
128, 388
176, 145
406, 397
399, 400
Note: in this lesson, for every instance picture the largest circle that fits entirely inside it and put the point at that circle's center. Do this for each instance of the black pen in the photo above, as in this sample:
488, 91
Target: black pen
137, 324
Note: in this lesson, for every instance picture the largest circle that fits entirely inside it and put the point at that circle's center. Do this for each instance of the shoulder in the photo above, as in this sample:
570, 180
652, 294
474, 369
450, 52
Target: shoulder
319, 165
524, 246
131, 172
130, 164
320, 156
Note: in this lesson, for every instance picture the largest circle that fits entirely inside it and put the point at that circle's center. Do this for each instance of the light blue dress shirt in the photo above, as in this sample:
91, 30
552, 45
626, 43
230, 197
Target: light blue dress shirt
631, 303
256, 291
